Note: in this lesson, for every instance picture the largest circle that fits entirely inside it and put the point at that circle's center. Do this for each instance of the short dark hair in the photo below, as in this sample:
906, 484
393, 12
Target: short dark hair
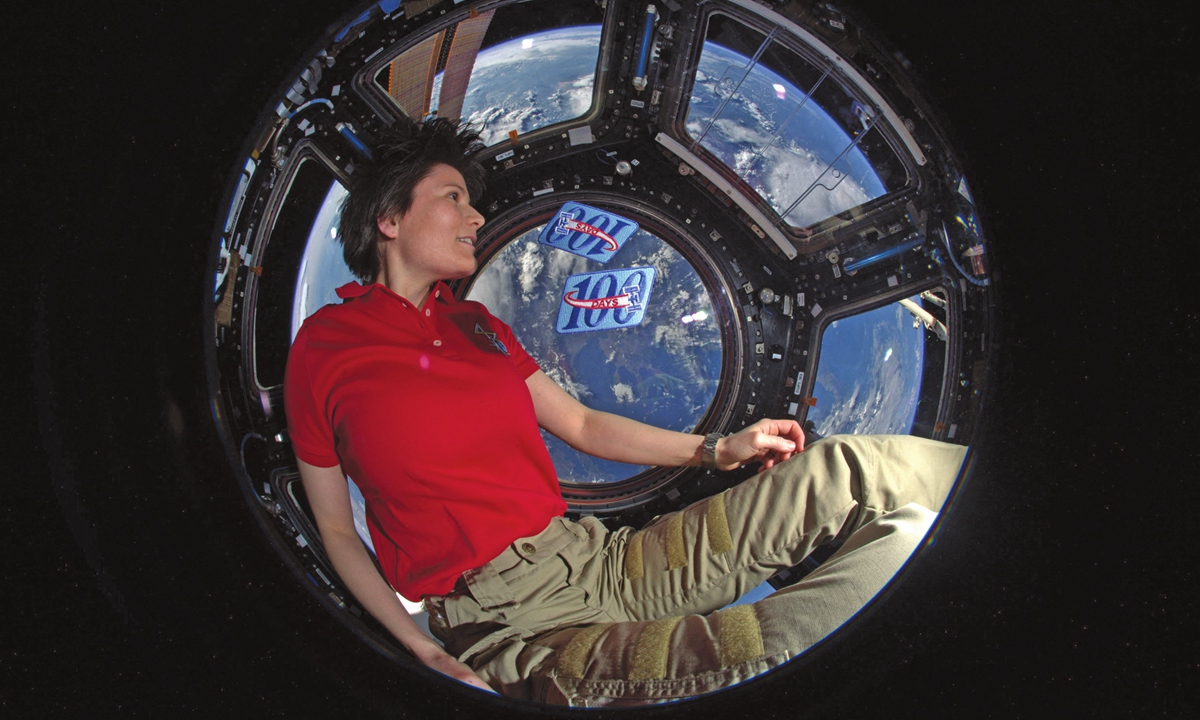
382, 188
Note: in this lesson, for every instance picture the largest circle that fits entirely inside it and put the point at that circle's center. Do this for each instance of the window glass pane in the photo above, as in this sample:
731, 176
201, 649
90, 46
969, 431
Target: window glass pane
869, 373
663, 371
786, 127
307, 186
521, 67
532, 82
322, 269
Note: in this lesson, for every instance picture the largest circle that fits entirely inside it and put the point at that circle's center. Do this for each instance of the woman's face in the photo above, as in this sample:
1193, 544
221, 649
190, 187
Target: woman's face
435, 239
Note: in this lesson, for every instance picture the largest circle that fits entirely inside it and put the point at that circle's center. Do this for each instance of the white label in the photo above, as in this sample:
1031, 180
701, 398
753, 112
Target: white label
799, 382
580, 135
793, 409
542, 191
953, 431
816, 309
892, 281
637, 104
504, 156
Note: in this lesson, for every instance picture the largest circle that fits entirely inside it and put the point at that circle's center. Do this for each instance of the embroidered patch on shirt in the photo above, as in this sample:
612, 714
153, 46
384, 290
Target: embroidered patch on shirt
587, 231
491, 336
605, 300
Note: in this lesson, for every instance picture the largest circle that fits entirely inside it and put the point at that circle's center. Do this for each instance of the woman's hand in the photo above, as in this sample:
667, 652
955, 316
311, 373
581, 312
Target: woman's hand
767, 442
438, 659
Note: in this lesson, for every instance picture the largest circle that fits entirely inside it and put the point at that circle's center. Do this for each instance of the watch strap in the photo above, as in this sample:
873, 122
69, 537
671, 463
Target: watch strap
708, 453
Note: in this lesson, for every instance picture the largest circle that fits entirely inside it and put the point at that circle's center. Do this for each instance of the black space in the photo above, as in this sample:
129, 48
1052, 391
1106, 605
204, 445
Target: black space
138, 583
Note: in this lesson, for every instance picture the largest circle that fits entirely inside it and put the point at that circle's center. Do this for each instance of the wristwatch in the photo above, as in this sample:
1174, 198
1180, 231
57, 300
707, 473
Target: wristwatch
708, 454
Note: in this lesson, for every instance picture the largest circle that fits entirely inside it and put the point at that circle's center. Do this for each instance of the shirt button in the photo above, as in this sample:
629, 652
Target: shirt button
528, 547
437, 343
426, 313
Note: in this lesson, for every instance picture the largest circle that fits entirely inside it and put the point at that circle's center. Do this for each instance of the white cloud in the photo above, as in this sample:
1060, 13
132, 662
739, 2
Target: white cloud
531, 267
577, 390
623, 392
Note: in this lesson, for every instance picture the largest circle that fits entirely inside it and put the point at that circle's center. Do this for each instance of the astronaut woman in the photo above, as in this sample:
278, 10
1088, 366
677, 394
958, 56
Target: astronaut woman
433, 407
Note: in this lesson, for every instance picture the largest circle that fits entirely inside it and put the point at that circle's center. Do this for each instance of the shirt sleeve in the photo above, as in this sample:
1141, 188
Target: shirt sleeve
523, 361
308, 428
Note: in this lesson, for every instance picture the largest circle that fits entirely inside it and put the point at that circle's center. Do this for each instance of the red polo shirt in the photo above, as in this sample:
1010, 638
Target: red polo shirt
428, 411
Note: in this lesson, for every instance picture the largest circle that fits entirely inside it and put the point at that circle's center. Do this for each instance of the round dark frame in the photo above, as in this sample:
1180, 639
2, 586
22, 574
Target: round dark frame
261, 458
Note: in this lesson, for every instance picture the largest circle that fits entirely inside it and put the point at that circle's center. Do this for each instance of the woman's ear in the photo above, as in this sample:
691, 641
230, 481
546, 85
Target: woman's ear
389, 227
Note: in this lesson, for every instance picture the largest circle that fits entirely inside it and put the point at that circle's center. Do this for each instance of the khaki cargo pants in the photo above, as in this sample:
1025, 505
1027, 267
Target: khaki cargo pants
581, 616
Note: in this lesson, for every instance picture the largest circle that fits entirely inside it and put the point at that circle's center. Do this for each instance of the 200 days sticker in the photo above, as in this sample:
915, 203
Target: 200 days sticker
587, 231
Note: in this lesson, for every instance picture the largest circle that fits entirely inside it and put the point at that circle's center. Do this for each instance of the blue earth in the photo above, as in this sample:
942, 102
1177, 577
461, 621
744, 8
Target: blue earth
664, 371
777, 143
531, 82
869, 373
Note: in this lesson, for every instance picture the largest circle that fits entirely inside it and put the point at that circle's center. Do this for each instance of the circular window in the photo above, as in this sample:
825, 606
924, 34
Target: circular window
651, 332
662, 368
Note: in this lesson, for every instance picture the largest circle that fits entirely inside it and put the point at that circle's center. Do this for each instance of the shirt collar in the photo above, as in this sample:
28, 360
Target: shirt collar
352, 290
442, 294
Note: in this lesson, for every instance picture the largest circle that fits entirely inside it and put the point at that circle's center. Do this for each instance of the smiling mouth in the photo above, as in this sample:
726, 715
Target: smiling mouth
468, 240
